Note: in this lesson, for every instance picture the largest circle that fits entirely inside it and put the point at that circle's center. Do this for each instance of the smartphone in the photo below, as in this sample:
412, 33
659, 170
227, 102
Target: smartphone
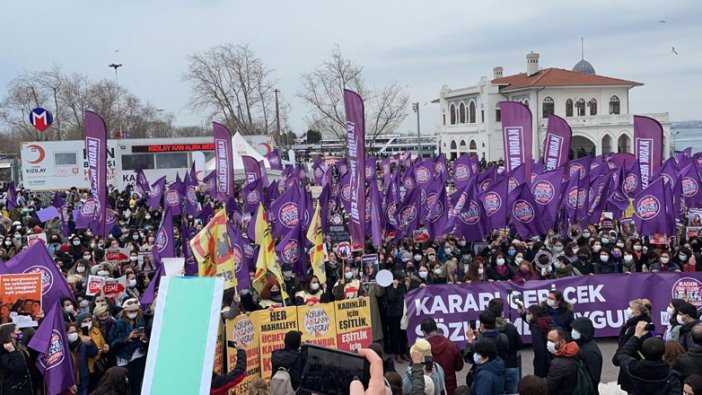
326, 371
428, 364
85, 331
650, 328
231, 343
473, 324
139, 330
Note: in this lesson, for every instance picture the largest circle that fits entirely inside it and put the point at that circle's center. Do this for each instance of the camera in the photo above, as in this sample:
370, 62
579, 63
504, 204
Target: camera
428, 364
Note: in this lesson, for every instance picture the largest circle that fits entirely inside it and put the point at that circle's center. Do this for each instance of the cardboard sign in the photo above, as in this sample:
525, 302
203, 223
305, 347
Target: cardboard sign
317, 324
95, 285
353, 324
420, 235
117, 254
114, 287
245, 331
174, 266
343, 250
274, 325
36, 238
693, 231
47, 214
23, 288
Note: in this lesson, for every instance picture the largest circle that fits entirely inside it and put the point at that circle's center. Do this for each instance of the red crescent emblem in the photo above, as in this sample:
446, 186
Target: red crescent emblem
41, 154
267, 147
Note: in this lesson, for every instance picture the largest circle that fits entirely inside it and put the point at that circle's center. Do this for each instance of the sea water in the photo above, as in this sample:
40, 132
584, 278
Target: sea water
688, 137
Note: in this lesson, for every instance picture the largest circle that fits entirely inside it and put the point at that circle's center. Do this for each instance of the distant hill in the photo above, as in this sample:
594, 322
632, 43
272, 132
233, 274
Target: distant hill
686, 125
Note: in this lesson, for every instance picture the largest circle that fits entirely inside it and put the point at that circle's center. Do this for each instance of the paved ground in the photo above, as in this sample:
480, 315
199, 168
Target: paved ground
609, 372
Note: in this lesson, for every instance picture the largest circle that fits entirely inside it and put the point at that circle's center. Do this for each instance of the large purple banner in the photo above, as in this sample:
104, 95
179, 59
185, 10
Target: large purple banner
224, 163
602, 298
356, 140
516, 135
557, 142
96, 154
648, 146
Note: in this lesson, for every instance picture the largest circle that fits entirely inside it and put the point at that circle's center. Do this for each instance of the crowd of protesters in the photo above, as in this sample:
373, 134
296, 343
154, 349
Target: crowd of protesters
109, 335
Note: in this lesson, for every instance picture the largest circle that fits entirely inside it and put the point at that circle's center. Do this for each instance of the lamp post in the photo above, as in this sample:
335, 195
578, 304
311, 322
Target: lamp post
415, 108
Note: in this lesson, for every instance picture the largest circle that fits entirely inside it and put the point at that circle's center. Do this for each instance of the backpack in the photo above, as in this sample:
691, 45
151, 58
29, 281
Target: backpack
281, 383
584, 385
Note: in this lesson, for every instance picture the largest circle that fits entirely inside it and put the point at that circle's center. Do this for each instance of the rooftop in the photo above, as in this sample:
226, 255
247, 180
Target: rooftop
558, 77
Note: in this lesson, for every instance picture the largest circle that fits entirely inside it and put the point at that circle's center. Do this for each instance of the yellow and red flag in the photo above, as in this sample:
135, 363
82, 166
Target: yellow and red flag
213, 250
314, 235
267, 260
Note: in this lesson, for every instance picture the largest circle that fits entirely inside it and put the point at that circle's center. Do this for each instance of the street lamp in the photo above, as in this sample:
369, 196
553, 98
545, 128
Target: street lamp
115, 66
415, 108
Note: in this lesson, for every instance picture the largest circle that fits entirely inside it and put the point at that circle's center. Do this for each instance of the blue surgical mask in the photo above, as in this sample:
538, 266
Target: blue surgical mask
476, 358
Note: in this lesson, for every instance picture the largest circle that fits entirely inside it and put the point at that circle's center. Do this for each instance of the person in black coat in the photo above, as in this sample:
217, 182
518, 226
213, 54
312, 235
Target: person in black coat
82, 348
651, 375
289, 357
638, 312
14, 357
540, 324
395, 296
221, 383
583, 333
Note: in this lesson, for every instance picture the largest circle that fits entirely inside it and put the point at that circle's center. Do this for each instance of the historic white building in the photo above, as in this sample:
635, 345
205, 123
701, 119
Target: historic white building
595, 106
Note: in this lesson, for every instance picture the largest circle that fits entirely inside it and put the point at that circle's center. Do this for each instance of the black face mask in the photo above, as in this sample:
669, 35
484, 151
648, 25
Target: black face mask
583, 257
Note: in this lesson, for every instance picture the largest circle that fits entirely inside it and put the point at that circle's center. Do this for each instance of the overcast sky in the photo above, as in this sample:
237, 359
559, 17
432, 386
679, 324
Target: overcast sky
421, 44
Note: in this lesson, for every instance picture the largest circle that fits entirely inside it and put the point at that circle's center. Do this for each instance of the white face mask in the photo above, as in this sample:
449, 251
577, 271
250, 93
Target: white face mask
437, 271
102, 273
620, 245
132, 315
628, 312
682, 258
132, 283
664, 259
575, 334
604, 258
84, 304
481, 271
87, 325
133, 258
348, 275
551, 303
637, 248
69, 309
529, 317
605, 240
628, 258
80, 269
575, 250
423, 274
87, 257
72, 337
518, 260
596, 248
417, 258
432, 258
551, 347
500, 261
462, 243
670, 310
314, 286
447, 250
680, 320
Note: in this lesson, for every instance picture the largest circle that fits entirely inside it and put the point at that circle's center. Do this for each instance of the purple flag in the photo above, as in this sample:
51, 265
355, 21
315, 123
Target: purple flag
142, 184
437, 219
440, 168
495, 202
164, 245
690, 183
524, 214
462, 171
597, 199
424, 173
557, 142
342, 167
387, 173
516, 178
36, 259
375, 222
54, 361
96, 155
470, 220
287, 211
516, 135
356, 141
174, 195
648, 146
191, 203
58, 201
547, 189
252, 171
370, 169
241, 268
274, 160
186, 234
318, 170
630, 183
224, 161
576, 197
150, 294
291, 251
156, 192
669, 171
11, 198
252, 194
408, 213
210, 182
207, 213
264, 173
392, 199
652, 207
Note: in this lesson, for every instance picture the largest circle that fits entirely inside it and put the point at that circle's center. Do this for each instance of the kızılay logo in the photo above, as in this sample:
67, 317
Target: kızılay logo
47, 278
288, 215
492, 202
648, 207
689, 187
422, 175
462, 173
316, 322
689, 289
523, 211
543, 192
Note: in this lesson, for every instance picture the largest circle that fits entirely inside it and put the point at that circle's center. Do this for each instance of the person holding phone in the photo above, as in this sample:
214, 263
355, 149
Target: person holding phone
221, 384
82, 348
85, 322
429, 367
128, 339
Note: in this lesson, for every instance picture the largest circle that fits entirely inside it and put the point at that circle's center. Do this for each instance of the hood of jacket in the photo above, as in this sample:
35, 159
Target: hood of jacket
584, 327
569, 350
651, 375
439, 344
496, 366
544, 324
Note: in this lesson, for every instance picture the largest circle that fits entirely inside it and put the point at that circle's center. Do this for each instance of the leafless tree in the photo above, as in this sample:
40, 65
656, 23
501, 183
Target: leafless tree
230, 81
323, 91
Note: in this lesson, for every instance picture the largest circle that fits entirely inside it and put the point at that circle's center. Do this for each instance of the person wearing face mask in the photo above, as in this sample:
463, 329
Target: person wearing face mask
571, 251
539, 324
129, 338
291, 284
431, 255
498, 270
80, 268
451, 269
562, 268
557, 249
641, 257
562, 374
76, 248
664, 264
638, 310
606, 264
584, 262
132, 291
395, 304
524, 273
583, 333
149, 244
348, 287
312, 294
420, 278
628, 261
271, 295
687, 318
489, 376
14, 362
69, 310
438, 274
673, 330
560, 311
685, 260
477, 271
84, 321
81, 349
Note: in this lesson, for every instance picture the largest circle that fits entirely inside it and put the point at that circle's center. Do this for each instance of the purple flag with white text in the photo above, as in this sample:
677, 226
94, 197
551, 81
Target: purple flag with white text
652, 207
96, 156
54, 360
164, 245
11, 198
524, 214
142, 184
547, 189
648, 146
224, 161
356, 142
557, 142
252, 171
516, 135
462, 171
274, 160
156, 192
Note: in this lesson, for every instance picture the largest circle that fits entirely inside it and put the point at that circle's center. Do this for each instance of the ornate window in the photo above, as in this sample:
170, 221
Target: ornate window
452, 110
569, 108
614, 105
593, 106
471, 112
462, 113
548, 107
580, 107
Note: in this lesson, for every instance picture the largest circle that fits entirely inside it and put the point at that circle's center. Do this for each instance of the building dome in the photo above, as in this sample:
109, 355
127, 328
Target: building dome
584, 66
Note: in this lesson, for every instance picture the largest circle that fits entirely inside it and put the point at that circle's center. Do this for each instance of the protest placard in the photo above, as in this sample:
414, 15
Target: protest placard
95, 285
317, 324
244, 330
117, 255
274, 325
219, 359
22, 291
353, 324
36, 238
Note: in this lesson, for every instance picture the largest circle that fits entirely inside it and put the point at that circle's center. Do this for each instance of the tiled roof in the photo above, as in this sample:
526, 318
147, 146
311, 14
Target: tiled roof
558, 77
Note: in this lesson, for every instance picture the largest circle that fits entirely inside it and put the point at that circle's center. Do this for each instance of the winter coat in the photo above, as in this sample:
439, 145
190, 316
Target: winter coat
590, 353
626, 333
118, 338
562, 374
558, 320
80, 352
498, 273
100, 342
645, 377
417, 380
489, 378
437, 376
539, 330
447, 354
375, 294
685, 337
14, 374
395, 300
290, 360
515, 342
222, 383
690, 362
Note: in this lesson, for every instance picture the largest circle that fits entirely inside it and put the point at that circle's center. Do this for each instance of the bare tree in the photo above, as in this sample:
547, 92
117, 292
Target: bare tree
323, 91
230, 81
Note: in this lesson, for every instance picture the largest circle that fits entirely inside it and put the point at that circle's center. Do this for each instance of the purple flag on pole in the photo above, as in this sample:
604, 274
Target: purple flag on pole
690, 183
264, 173
630, 182
408, 213
252, 194
150, 294
287, 211
36, 259
440, 168
186, 234
252, 171
164, 245
156, 192
576, 197
96, 155
291, 251
524, 214
547, 189
241, 269
424, 173
437, 212
11, 198
669, 171
54, 362
173, 197
516, 135
495, 203
648, 146
356, 140
557, 142
470, 221
224, 161
142, 184
274, 160
370, 169
375, 211
651, 208
210, 182
192, 205
387, 173
462, 171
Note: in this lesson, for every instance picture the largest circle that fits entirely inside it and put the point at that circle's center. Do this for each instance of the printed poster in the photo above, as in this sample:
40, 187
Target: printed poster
353, 324
318, 324
274, 325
